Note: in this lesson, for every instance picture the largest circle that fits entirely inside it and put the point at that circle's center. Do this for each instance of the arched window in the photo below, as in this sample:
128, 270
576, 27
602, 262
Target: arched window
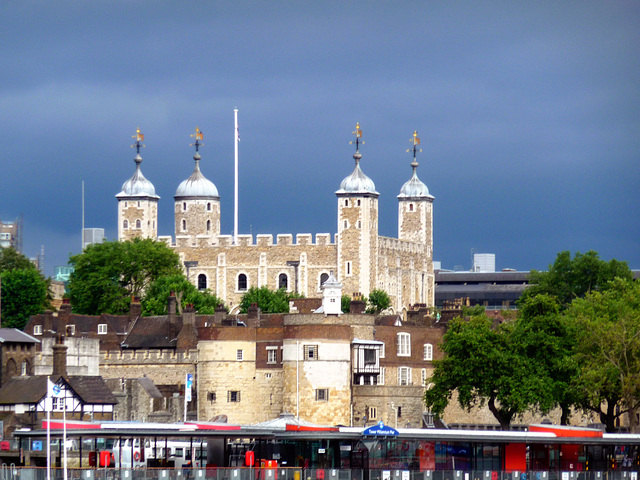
184, 225
202, 282
138, 202
358, 202
209, 206
283, 281
346, 203
323, 278
208, 225
411, 207
359, 224
345, 224
184, 206
242, 282
125, 224
137, 223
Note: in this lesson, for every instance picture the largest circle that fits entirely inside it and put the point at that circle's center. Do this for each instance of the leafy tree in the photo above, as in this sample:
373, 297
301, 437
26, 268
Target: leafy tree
11, 259
547, 341
107, 274
156, 297
269, 301
569, 278
481, 365
25, 292
378, 301
345, 303
608, 351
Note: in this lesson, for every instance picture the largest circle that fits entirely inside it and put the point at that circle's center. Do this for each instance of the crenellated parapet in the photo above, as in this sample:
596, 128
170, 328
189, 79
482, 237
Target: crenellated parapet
396, 245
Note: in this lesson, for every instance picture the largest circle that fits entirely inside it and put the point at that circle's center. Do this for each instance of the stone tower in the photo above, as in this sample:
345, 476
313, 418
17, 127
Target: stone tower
357, 229
197, 207
415, 224
137, 203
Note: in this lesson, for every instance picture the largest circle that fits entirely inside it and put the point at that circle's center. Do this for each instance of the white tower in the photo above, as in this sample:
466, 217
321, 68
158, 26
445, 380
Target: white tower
358, 228
137, 203
197, 206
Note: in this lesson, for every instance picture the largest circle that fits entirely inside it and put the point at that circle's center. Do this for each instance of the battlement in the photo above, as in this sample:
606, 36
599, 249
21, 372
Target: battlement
128, 357
397, 245
266, 240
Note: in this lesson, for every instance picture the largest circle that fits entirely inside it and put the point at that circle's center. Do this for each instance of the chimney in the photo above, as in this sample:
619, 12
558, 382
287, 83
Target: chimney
59, 357
253, 312
135, 308
188, 336
48, 323
219, 315
64, 314
171, 308
358, 305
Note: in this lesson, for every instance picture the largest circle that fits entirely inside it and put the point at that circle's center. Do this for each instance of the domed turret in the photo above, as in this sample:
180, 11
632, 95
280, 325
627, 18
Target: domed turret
138, 185
357, 182
414, 188
197, 185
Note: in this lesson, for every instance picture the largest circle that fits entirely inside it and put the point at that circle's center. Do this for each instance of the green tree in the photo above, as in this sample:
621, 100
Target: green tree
608, 351
156, 297
25, 292
11, 259
569, 278
482, 367
345, 303
378, 301
106, 275
269, 301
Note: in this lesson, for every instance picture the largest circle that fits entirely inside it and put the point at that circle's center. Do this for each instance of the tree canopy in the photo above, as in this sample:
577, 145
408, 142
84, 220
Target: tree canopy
378, 301
569, 278
25, 291
156, 297
106, 275
269, 301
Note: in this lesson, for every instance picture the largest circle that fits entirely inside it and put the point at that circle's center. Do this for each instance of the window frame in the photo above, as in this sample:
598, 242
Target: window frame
102, 329
307, 352
239, 355
246, 282
233, 396
404, 380
37, 329
404, 344
322, 394
272, 351
428, 352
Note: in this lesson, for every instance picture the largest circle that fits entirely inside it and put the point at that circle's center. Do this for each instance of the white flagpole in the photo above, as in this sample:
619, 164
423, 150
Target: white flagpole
235, 199
64, 434
48, 404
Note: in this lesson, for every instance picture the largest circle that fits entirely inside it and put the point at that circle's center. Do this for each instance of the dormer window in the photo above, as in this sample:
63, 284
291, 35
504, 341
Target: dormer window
37, 329
102, 329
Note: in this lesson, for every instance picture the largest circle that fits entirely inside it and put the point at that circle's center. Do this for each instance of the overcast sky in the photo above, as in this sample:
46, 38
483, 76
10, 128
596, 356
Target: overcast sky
529, 115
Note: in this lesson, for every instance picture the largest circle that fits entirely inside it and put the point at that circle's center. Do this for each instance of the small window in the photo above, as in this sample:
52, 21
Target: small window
423, 377
25, 368
125, 224
411, 207
382, 350
211, 396
369, 356
358, 202
283, 281
184, 225
404, 375
272, 355
37, 329
202, 282
138, 224
242, 282
208, 225
233, 396
348, 268
71, 330
268, 375
310, 352
322, 395
399, 412
239, 355
184, 206
345, 225
428, 352
126, 204
381, 376
138, 203
404, 345
102, 329
346, 202
373, 413
208, 206
359, 224
323, 278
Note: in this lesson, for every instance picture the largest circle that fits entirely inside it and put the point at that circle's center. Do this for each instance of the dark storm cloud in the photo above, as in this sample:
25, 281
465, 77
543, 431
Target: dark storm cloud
528, 116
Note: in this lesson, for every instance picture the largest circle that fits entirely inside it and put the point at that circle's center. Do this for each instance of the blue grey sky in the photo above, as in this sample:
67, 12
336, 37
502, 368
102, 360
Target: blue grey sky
529, 115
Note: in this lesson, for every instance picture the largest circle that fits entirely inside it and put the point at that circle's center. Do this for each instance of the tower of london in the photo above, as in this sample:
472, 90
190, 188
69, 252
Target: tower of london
360, 258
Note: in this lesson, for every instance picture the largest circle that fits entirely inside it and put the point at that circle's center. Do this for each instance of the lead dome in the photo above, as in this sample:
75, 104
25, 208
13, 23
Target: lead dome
138, 185
197, 185
414, 188
357, 182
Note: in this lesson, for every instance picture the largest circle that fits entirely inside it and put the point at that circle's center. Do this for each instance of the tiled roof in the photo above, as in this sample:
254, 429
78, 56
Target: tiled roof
23, 389
16, 336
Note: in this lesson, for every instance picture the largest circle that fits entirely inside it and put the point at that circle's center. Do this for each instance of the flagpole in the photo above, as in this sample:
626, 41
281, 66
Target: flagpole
235, 198
64, 429
48, 404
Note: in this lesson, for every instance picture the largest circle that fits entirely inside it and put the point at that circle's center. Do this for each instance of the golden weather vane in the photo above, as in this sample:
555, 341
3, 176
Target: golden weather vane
139, 137
358, 134
198, 136
416, 141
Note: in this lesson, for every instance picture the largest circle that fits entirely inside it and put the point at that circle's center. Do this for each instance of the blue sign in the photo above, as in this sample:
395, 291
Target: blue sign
36, 445
380, 430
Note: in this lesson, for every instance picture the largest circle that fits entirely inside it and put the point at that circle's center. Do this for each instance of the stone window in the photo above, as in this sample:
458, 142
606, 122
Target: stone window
404, 345
239, 354
211, 396
37, 329
102, 329
25, 368
322, 395
345, 225
404, 375
358, 202
381, 376
399, 412
348, 268
373, 413
184, 206
428, 352
208, 206
184, 225
242, 282
323, 278
137, 223
311, 352
346, 202
233, 396
411, 207
138, 202
283, 281
272, 355
267, 375
202, 282
126, 204
359, 224
423, 377
208, 225
125, 224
